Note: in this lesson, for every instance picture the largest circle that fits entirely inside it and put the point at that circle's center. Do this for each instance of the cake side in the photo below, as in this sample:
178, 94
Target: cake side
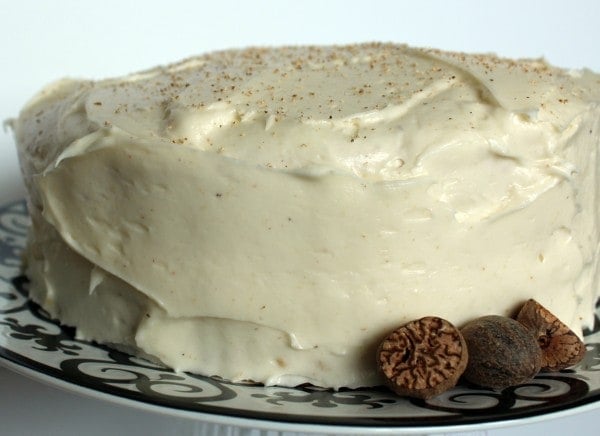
269, 214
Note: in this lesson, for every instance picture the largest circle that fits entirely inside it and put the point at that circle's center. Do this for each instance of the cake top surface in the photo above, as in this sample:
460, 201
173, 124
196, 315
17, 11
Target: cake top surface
332, 82
340, 108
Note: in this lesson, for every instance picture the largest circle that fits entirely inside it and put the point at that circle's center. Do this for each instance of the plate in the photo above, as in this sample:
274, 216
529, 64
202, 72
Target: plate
34, 344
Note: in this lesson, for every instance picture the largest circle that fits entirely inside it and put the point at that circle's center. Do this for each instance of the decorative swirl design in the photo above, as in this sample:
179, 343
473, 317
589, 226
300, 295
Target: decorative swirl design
14, 300
559, 388
14, 222
547, 390
29, 337
469, 401
150, 381
43, 339
324, 398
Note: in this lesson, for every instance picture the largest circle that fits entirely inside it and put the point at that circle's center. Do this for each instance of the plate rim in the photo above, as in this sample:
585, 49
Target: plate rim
292, 426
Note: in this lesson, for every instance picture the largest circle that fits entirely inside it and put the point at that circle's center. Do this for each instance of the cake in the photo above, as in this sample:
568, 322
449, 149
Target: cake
269, 214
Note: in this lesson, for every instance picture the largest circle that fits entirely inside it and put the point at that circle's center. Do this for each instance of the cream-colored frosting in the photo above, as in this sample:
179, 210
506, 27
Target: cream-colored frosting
270, 214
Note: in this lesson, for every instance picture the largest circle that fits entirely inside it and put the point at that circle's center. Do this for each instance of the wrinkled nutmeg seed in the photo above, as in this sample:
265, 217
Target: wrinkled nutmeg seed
423, 358
502, 352
561, 347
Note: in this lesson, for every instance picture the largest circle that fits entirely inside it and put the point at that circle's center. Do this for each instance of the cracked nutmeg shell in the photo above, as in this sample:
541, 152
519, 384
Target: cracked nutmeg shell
423, 358
502, 352
561, 347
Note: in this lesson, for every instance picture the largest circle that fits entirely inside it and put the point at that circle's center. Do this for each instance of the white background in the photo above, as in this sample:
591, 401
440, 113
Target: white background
43, 41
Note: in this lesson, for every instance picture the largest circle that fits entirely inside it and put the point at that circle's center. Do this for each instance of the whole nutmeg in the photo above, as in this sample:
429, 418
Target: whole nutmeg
423, 358
502, 352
